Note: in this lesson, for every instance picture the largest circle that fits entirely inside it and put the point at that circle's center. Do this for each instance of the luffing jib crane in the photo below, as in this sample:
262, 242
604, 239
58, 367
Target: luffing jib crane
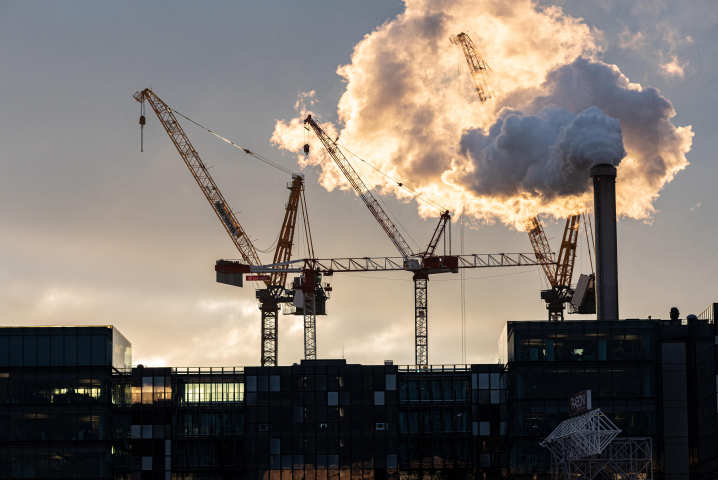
421, 277
478, 67
421, 265
560, 273
315, 268
274, 293
201, 175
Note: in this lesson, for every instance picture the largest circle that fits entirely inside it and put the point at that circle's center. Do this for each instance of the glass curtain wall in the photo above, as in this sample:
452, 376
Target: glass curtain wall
55, 406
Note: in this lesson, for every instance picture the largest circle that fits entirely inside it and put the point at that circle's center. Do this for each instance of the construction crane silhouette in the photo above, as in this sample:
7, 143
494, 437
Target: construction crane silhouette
558, 272
477, 66
421, 265
273, 294
315, 268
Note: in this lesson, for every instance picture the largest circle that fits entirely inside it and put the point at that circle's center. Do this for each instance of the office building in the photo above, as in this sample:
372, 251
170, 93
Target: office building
73, 406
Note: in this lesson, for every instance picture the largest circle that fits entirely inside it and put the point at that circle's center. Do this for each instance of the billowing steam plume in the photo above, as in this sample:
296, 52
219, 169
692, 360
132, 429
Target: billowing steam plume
557, 111
542, 156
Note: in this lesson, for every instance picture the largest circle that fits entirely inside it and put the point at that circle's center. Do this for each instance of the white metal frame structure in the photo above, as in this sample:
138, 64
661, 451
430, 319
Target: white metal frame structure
585, 447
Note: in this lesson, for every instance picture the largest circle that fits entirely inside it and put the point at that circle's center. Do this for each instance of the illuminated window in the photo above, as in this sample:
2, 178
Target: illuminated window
213, 392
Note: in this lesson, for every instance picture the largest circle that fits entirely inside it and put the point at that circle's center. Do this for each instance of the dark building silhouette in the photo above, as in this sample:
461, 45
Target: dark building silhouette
72, 406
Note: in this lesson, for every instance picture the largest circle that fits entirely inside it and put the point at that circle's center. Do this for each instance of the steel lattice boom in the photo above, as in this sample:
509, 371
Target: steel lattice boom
361, 189
283, 251
479, 68
201, 175
382, 264
567, 253
559, 274
274, 294
541, 248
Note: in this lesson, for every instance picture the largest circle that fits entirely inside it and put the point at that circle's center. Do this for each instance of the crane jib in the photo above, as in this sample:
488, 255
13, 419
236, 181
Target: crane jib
362, 190
225, 218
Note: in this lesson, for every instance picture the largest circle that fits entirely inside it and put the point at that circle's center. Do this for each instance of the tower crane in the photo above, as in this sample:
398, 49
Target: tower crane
559, 274
421, 265
273, 292
478, 67
315, 268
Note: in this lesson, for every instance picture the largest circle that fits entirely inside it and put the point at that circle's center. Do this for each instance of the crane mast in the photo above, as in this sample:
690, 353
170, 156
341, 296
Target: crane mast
273, 294
478, 67
426, 263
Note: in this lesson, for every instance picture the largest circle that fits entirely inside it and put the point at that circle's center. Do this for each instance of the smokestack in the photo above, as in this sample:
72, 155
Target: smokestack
604, 207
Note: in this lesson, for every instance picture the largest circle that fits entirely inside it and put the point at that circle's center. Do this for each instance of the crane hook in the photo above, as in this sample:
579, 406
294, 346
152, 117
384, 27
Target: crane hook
306, 149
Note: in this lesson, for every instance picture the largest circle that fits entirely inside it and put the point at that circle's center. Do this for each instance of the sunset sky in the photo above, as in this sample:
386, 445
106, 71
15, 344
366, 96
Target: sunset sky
93, 232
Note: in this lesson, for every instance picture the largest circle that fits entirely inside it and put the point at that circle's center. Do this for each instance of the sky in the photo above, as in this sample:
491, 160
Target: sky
94, 232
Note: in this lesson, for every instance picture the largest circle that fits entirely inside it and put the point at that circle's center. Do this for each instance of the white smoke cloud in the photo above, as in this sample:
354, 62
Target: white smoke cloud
403, 112
540, 156
655, 147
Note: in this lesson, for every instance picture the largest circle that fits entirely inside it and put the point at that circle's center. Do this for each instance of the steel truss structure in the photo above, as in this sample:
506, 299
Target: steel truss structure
586, 447
270, 350
384, 264
310, 325
421, 319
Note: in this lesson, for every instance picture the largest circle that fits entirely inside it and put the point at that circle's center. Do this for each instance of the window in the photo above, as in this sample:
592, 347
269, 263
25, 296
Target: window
381, 426
332, 398
378, 398
212, 392
298, 415
274, 383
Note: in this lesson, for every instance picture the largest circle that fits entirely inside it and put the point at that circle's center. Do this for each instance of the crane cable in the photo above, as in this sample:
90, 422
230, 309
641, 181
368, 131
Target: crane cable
247, 151
401, 185
379, 196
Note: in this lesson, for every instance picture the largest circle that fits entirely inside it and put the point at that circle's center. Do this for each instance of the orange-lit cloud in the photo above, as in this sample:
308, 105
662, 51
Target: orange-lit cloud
406, 110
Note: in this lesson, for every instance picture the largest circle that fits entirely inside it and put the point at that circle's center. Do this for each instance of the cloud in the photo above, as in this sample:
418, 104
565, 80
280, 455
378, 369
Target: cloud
656, 148
628, 41
674, 68
403, 112
696, 206
548, 155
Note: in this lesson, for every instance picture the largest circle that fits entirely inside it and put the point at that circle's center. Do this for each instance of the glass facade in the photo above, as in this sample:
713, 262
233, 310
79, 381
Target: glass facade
72, 406
703, 393
549, 361
55, 401
435, 420
321, 420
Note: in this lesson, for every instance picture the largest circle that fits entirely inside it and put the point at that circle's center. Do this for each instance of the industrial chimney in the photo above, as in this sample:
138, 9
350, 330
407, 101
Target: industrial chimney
604, 207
